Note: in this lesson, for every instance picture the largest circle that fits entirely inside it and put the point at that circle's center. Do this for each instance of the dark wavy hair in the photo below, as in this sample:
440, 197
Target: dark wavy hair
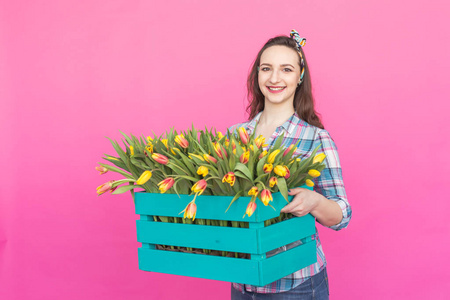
303, 98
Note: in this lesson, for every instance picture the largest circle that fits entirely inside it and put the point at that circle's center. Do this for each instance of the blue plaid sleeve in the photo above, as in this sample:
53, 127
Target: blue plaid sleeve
330, 183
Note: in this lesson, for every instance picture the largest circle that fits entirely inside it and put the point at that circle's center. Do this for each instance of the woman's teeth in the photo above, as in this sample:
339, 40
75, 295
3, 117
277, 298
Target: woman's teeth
276, 89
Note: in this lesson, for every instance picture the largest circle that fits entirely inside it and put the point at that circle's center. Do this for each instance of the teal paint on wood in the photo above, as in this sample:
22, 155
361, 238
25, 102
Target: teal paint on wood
198, 236
255, 240
208, 207
288, 262
199, 265
286, 232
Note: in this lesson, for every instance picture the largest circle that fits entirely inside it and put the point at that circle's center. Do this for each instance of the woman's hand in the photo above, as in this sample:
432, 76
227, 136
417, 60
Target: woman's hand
304, 202
327, 212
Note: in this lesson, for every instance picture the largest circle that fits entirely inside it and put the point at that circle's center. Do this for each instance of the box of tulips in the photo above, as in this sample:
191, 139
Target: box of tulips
210, 204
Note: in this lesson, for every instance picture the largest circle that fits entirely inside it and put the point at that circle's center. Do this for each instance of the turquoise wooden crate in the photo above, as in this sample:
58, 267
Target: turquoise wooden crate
256, 240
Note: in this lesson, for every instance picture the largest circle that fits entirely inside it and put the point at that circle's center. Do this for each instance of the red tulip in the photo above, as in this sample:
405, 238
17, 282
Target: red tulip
244, 157
101, 169
166, 184
199, 187
209, 158
244, 135
190, 211
266, 197
181, 140
107, 186
251, 207
160, 158
230, 178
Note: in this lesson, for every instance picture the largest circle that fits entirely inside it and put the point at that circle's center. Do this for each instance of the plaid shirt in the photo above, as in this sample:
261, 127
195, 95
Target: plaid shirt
329, 184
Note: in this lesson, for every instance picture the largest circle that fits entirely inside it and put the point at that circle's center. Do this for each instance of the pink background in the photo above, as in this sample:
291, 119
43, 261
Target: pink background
75, 72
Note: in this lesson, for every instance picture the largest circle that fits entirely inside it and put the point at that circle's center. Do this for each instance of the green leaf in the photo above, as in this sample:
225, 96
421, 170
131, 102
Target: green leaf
239, 194
278, 142
189, 178
188, 163
126, 137
244, 170
124, 189
283, 188
260, 165
117, 170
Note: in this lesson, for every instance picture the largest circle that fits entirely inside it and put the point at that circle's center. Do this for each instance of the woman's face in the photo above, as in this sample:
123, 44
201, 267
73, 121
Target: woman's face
279, 73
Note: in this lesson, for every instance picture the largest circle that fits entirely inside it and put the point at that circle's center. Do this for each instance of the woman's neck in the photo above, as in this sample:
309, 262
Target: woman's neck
276, 115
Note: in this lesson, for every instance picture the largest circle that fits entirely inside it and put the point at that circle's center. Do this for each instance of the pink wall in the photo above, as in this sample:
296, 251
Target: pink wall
74, 72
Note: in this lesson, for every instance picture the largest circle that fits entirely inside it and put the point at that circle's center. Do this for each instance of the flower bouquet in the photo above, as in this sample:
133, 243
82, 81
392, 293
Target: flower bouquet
216, 182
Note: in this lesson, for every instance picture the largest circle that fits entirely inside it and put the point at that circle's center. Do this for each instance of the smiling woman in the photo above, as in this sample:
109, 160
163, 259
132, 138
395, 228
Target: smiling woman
278, 77
281, 105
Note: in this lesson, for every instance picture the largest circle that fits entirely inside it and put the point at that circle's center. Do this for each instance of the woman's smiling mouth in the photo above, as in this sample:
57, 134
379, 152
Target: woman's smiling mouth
276, 89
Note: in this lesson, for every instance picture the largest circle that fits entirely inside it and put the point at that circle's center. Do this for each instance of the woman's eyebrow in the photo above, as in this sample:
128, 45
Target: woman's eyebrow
283, 65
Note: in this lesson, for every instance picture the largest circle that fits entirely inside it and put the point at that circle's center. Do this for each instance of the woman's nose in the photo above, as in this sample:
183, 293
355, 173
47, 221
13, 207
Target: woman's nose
274, 77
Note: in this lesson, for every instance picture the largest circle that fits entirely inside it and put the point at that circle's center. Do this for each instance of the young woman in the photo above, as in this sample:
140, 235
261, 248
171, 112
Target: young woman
281, 101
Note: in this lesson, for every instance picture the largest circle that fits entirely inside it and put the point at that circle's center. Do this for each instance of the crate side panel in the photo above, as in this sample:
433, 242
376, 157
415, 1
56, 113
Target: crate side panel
198, 236
208, 207
285, 232
288, 262
201, 266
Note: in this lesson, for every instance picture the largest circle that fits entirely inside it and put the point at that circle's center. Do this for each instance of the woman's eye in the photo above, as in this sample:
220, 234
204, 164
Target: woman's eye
265, 69
287, 70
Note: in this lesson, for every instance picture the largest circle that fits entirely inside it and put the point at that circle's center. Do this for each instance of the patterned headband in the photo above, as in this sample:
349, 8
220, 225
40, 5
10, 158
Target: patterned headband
300, 43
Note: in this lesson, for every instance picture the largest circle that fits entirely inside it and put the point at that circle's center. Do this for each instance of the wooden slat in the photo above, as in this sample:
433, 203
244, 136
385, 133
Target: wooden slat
199, 265
208, 207
286, 232
288, 262
198, 236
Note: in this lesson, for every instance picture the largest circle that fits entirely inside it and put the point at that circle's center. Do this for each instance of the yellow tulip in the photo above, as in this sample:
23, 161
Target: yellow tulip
259, 141
253, 191
314, 173
219, 135
267, 168
131, 150
165, 142
202, 170
149, 148
149, 139
264, 153
196, 155
145, 176
319, 158
280, 170
273, 181
309, 183
272, 156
